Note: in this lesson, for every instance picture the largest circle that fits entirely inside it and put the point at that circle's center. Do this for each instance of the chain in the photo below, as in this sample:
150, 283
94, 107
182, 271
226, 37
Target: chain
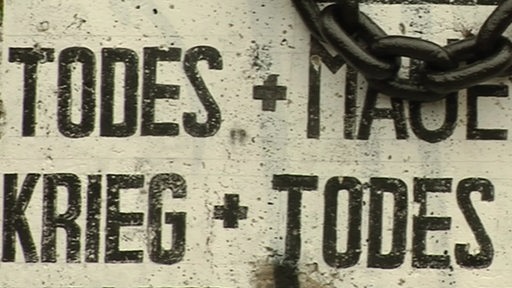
376, 55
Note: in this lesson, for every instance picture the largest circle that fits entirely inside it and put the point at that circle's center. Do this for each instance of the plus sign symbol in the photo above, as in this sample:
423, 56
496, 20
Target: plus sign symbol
269, 93
231, 212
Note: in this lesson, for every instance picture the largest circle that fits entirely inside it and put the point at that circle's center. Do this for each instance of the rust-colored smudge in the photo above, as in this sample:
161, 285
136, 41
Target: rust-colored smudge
273, 274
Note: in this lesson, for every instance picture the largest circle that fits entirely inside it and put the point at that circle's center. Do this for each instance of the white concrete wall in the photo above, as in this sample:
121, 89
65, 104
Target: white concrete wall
255, 39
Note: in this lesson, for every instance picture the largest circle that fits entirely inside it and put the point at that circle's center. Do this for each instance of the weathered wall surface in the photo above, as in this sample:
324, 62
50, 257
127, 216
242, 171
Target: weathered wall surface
138, 150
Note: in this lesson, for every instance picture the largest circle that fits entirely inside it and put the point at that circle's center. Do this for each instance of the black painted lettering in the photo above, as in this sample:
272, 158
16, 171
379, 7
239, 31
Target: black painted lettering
177, 186
294, 185
111, 56
441, 133
370, 112
350, 117
92, 236
151, 91
353, 187
423, 223
395, 258
52, 220
213, 115
117, 219
67, 58
15, 221
318, 55
484, 257
30, 57
473, 132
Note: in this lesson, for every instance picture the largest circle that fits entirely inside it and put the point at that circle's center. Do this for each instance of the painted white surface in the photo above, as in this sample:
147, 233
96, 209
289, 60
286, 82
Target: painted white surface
276, 144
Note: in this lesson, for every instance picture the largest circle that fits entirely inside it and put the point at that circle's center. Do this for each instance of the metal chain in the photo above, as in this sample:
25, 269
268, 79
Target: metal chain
445, 69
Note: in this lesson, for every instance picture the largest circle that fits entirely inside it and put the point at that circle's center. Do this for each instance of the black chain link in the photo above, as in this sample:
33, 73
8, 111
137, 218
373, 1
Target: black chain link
367, 48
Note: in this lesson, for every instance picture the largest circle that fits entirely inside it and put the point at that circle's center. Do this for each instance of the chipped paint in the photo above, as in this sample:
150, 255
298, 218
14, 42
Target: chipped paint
151, 162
